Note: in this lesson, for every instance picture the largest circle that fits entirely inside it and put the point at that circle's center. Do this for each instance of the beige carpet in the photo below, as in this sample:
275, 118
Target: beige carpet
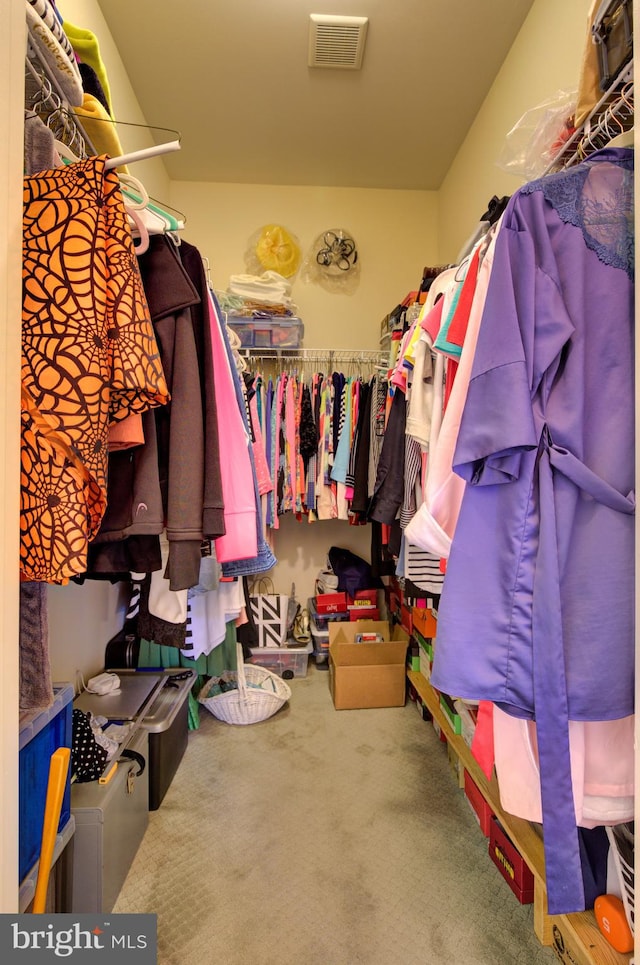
323, 837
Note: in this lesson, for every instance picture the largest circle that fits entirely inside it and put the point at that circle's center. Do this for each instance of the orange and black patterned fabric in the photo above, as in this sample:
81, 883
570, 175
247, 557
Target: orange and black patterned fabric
89, 353
59, 502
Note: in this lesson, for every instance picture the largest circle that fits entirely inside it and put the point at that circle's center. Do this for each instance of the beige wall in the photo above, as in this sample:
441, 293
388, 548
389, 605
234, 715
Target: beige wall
544, 58
87, 15
11, 168
395, 232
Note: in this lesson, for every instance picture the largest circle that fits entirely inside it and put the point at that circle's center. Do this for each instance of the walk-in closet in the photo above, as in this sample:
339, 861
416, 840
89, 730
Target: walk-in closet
318, 482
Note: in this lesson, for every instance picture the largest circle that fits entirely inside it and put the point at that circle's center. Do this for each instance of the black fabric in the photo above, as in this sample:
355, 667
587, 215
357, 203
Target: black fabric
413, 592
352, 571
594, 852
88, 758
167, 286
338, 401
382, 564
123, 650
495, 209
388, 494
91, 85
360, 500
247, 633
309, 435
155, 629
116, 561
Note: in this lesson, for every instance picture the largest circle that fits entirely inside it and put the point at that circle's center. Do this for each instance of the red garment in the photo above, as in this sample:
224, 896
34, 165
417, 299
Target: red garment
460, 320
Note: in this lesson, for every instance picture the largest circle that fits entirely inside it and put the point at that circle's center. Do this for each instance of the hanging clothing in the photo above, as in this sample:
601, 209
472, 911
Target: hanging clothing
240, 540
89, 353
546, 447
213, 502
180, 428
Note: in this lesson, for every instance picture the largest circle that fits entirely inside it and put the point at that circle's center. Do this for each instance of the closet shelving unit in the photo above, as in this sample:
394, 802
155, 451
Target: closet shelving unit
612, 115
44, 96
575, 938
577, 934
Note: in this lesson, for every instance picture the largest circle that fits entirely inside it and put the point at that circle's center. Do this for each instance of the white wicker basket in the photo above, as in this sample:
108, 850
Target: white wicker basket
259, 695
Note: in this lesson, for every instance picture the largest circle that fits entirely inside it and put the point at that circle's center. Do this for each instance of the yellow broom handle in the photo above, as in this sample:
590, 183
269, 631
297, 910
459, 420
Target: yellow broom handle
58, 768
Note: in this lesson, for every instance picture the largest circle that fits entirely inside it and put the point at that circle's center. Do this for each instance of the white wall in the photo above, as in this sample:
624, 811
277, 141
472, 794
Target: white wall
544, 58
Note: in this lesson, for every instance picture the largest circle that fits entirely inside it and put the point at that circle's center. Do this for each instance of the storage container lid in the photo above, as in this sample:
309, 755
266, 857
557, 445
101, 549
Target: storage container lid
32, 723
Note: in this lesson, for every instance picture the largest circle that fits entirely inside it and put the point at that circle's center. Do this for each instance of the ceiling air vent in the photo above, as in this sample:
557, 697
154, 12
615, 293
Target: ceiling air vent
337, 41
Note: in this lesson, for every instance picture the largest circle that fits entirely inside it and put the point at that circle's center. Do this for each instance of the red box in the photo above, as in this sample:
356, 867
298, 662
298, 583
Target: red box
364, 613
480, 807
406, 618
331, 602
510, 863
366, 597
396, 587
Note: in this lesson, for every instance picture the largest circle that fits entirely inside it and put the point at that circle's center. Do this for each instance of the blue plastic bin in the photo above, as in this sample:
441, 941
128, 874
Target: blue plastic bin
40, 735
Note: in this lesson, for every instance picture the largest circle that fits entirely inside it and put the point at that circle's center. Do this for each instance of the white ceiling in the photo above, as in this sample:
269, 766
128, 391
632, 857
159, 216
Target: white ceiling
232, 77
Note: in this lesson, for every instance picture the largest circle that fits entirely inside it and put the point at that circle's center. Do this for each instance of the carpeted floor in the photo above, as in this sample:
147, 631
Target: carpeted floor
323, 837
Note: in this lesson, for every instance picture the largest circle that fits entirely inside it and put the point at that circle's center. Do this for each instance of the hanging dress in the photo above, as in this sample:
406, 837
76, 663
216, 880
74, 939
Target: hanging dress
536, 612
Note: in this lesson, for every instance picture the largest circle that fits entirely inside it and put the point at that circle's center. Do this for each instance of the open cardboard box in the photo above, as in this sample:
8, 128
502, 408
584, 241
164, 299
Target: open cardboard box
367, 674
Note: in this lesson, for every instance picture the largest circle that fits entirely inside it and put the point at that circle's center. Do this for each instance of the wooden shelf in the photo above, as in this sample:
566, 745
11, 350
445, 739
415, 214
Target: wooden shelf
576, 939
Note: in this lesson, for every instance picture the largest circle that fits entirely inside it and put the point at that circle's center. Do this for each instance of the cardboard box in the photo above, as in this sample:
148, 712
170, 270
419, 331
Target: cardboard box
510, 863
478, 804
363, 675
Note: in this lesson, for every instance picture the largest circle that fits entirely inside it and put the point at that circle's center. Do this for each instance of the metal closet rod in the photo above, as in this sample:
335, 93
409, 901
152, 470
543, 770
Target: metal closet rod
315, 355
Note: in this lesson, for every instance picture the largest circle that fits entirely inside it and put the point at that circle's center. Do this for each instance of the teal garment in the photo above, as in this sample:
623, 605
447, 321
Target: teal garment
223, 657
441, 344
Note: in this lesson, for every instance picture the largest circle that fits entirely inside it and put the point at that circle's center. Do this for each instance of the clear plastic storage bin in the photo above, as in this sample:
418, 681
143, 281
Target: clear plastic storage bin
267, 333
286, 662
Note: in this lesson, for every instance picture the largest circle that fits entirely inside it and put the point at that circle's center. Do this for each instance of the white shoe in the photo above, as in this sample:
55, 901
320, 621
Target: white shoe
326, 582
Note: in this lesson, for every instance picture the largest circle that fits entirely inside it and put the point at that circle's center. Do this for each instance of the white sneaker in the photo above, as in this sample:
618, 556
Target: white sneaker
326, 582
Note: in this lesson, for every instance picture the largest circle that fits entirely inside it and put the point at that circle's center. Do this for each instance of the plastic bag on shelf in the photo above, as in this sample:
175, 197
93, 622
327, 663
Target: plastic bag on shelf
332, 262
538, 136
273, 248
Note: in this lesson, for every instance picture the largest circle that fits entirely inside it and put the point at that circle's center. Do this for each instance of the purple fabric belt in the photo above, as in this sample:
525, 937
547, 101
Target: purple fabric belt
565, 889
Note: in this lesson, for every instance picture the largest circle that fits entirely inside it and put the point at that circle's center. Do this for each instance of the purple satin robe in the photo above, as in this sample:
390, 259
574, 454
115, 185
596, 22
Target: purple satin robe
536, 612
